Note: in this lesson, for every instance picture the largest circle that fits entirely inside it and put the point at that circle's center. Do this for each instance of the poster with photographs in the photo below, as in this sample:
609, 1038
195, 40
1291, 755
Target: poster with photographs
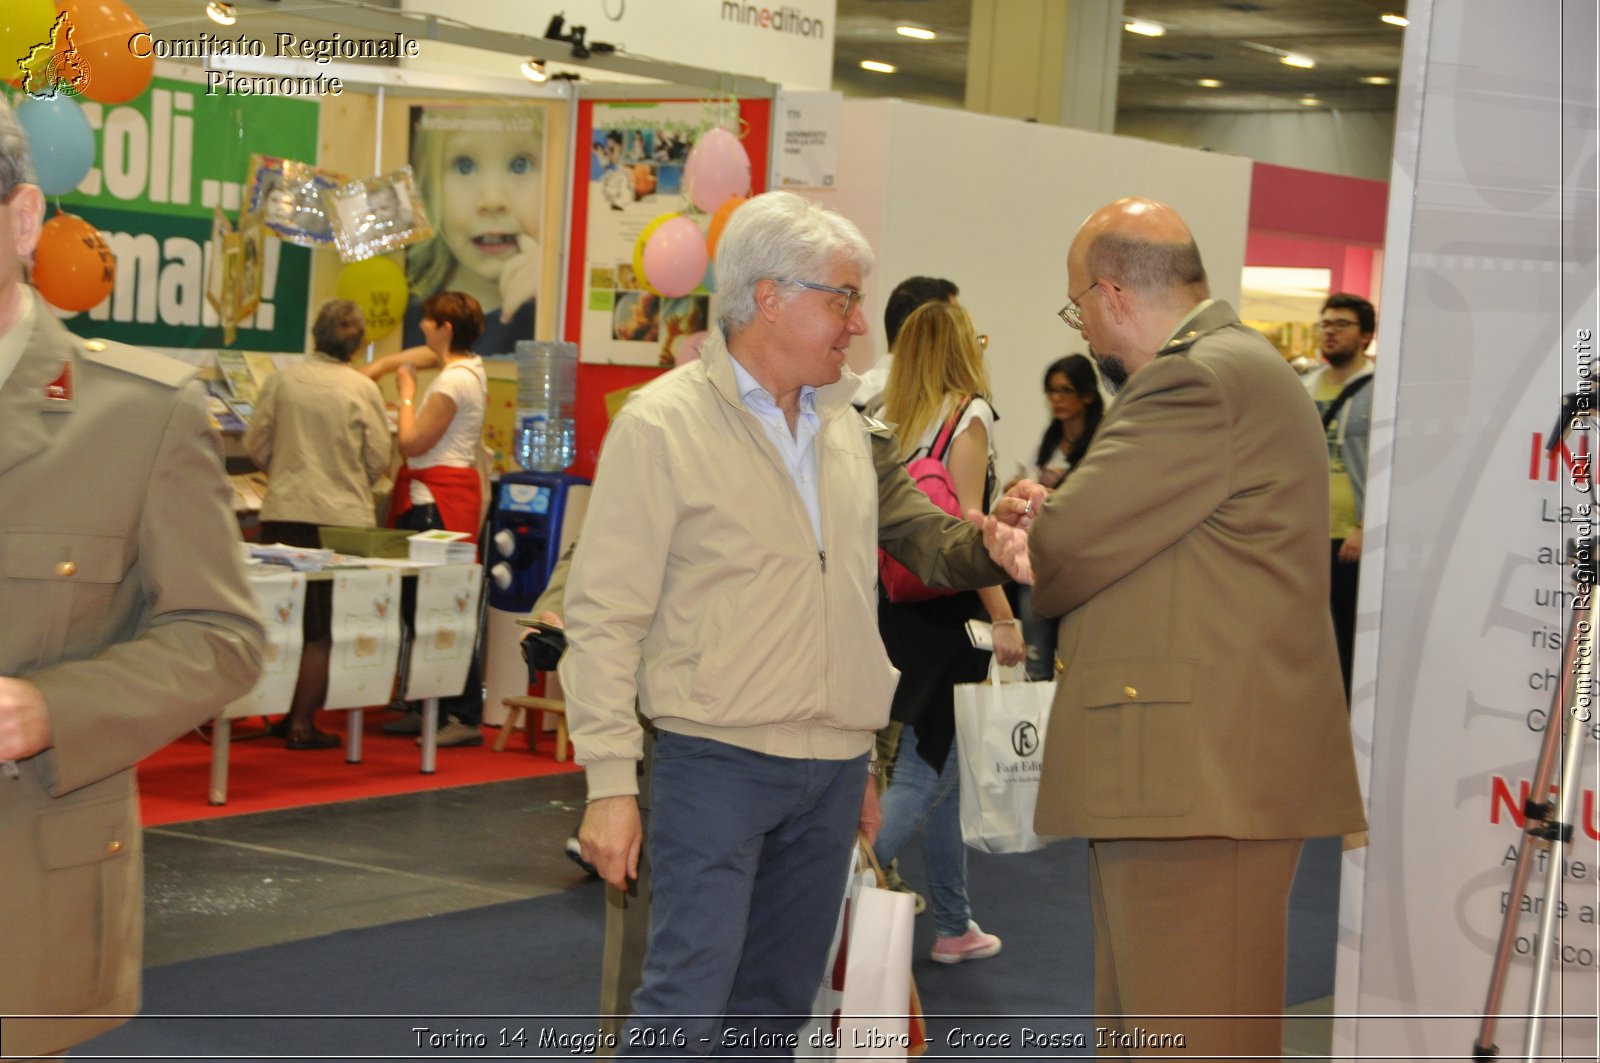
377, 215
287, 196
484, 172
366, 638
635, 174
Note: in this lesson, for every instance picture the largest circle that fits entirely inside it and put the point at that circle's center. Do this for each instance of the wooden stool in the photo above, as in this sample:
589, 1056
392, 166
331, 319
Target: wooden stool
526, 706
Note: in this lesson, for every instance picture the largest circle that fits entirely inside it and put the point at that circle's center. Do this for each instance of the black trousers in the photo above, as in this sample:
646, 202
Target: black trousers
1345, 578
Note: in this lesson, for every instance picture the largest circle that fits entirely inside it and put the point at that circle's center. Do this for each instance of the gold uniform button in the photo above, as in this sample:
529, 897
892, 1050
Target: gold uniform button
1129, 692
113, 848
67, 568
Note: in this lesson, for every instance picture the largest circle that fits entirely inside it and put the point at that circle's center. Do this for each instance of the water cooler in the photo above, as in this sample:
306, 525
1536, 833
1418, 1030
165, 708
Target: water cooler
533, 519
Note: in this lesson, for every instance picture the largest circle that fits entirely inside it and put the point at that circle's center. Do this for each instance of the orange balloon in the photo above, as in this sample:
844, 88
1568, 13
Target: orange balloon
103, 32
72, 267
720, 219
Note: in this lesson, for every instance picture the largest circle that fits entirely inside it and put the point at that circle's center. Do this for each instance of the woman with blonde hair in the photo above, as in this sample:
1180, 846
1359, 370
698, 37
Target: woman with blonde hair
938, 381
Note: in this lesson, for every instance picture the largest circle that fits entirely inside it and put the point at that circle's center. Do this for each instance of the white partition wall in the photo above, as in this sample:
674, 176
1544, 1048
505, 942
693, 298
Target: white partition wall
992, 203
1490, 311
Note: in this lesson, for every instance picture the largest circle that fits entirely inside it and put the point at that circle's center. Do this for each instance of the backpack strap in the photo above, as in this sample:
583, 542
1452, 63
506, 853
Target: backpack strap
1345, 396
941, 445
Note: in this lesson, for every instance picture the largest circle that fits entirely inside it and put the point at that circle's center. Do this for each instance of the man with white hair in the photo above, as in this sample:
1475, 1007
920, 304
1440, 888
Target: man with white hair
727, 577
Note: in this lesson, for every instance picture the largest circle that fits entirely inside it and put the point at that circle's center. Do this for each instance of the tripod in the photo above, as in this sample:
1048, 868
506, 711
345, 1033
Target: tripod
1547, 823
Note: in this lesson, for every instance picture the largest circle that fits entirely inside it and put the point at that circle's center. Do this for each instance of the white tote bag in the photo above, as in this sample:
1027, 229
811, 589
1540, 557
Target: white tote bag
1000, 731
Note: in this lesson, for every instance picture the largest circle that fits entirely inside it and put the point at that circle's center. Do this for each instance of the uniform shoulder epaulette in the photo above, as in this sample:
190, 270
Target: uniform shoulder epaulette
139, 362
876, 427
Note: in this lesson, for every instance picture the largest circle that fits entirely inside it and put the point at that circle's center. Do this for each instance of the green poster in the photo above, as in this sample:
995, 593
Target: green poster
163, 163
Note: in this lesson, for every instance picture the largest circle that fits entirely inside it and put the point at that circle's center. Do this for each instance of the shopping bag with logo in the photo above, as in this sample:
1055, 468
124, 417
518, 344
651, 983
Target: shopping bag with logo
1000, 733
867, 1006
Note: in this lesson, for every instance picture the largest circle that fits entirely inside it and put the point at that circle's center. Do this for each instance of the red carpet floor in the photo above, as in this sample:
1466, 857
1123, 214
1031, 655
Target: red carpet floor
263, 775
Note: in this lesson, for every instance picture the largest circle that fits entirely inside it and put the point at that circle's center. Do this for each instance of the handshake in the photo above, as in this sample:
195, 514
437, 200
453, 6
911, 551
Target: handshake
1005, 529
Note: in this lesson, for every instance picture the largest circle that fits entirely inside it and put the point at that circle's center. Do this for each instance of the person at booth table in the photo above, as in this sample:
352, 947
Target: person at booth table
125, 621
726, 578
440, 485
1198, 734
320, 434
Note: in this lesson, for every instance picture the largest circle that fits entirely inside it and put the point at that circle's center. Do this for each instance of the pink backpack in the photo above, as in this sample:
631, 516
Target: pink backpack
932, 479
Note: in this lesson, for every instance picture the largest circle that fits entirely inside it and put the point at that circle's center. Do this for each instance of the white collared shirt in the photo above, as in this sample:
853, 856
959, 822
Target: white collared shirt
797, 447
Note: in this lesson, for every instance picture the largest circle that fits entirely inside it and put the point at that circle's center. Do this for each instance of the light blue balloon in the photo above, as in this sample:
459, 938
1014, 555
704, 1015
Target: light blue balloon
60, 139
709, 281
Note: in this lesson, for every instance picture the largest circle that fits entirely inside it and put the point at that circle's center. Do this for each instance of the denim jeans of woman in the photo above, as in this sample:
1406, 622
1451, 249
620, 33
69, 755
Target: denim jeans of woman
921, 800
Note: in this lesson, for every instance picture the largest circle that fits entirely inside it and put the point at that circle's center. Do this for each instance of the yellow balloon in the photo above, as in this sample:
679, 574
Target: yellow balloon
638, 250
378, 287
25, 44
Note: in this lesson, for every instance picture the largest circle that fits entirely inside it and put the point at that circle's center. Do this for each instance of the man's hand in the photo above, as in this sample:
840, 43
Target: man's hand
1007, 545
24, 720
1350, 549
610, 835
871, 811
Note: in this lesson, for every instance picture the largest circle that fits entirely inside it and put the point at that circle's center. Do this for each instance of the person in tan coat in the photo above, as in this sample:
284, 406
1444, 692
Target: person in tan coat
1198, 733
125, 620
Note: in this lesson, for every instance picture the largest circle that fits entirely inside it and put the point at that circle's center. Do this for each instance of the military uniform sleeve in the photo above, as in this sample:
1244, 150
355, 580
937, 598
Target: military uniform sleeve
198, 645
942, 551
553, 598
613, 591
1158, 468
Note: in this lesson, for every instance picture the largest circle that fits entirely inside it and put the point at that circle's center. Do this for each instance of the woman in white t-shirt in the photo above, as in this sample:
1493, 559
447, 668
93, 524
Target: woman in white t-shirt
938, 374
439, 486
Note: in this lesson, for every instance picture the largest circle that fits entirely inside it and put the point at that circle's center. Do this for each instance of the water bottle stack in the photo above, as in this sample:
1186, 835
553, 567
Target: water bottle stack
547, 385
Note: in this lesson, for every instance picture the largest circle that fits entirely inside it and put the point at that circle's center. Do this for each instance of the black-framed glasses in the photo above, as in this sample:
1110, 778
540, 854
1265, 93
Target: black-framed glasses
1060, 393
851, 296
1072, 313
1330, 324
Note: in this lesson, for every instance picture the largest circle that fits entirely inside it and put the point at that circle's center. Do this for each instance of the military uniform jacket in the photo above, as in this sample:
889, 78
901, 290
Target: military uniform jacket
123, 597
1188, 555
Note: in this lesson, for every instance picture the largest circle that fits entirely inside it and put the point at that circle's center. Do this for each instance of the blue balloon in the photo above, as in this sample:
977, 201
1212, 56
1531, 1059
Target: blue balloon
61, 141
709, 281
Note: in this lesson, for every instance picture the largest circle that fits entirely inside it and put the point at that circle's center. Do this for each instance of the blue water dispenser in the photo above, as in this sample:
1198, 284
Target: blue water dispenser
525, 539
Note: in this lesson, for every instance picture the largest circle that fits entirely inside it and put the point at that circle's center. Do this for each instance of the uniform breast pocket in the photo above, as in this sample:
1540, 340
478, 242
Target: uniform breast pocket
66, 580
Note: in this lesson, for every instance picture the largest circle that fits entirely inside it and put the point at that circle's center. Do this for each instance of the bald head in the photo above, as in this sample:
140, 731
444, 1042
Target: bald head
1144, 246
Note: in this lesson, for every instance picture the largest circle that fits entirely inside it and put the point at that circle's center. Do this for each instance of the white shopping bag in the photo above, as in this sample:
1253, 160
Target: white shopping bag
1000, 732
867, 1006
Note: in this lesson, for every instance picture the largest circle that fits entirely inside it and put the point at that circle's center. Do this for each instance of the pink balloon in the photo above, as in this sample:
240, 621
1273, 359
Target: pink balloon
675, 257
717, 167
688, 349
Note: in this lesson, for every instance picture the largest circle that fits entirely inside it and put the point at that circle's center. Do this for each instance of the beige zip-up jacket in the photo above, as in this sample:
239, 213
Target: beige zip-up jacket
698, 584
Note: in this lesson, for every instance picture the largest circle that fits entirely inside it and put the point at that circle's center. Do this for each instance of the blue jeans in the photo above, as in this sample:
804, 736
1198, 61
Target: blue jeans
918, 800
748, 855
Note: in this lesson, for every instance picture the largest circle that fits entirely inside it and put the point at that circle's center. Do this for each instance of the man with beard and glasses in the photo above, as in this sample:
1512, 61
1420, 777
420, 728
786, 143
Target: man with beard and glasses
1342, 390
1197, 736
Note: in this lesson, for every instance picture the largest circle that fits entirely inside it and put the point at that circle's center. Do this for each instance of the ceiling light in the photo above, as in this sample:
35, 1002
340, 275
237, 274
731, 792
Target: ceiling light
1209, 83
220, 13
1144, 29
534, 71
916, 32
1309, 101
1393, 19
1304, 62
877, 67
1377, 79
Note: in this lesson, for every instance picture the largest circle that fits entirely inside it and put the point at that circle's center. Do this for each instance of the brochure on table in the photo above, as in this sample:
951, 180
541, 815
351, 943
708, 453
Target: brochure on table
366, 637
281, 599
446, 628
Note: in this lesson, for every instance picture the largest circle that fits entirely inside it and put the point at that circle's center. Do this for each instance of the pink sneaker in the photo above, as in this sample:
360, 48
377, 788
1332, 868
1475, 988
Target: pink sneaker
973, 945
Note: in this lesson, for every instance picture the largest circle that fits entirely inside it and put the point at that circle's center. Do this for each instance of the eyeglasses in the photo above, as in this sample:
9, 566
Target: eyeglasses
1072, 313
851, 296
1329, 324
1060, 393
